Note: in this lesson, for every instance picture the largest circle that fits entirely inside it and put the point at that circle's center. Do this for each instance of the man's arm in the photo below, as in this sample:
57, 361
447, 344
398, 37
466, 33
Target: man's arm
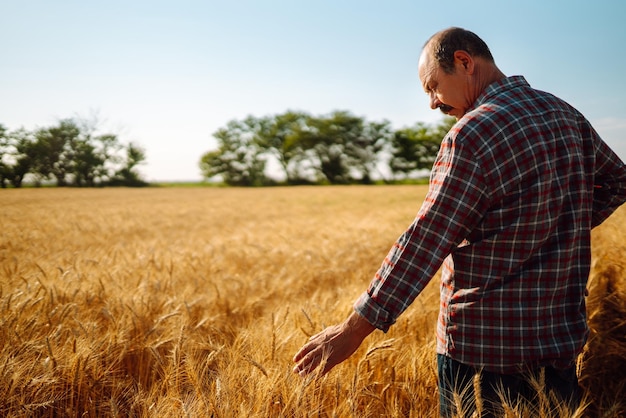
332, 346
456, 199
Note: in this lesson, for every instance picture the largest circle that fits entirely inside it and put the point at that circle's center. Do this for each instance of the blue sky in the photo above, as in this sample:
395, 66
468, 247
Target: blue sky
168, 74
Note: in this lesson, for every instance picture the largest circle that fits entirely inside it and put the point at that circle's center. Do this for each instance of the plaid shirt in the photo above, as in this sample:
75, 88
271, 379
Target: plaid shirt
518, 184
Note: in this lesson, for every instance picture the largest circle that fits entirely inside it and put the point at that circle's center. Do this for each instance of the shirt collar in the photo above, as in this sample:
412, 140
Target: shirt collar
498, 87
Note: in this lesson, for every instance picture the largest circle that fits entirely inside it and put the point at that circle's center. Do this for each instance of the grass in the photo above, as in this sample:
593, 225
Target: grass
172, 302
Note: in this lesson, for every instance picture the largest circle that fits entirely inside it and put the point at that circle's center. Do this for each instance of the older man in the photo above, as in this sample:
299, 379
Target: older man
518, 184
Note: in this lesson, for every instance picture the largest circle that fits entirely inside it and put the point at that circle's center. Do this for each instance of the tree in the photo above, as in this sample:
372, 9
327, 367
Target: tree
325, 144
94, 159
365, 149
95, 156
69, 152
339, 148
415, 148
19, 156
239, 158
442, 128
87, 163
128, 175
5, 168
345, 148
25, 157
281, 137
57, 145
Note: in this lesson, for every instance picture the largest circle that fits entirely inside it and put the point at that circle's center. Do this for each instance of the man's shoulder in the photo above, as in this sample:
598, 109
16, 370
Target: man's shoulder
515, 97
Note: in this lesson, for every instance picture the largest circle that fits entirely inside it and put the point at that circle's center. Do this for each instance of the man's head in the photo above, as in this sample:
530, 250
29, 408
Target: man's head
455, 67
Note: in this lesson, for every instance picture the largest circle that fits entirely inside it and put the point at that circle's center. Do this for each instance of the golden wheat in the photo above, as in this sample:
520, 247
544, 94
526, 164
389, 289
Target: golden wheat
191, 302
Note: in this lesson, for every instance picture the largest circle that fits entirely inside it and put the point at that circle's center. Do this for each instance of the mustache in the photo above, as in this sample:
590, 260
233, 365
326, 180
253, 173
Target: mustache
445, 108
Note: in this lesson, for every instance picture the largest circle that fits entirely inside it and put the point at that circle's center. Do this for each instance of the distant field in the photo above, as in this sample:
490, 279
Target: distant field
172, 302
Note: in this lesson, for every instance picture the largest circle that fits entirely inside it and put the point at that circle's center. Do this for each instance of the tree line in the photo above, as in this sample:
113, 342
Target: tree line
339, 148
289, 148
69, 153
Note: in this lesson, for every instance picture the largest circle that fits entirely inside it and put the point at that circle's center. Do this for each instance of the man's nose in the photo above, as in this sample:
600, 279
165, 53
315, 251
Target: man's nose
434, 101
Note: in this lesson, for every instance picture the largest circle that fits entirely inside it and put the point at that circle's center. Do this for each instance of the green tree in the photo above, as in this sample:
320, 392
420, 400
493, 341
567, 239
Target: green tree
339, 148
57, 146
94, 156
71, 153
415, 148
323, 146
20, 155
442, 128
25, 157
345, 148
128, 175
239, 159
281, 137
87, 163
5, 168
365, 149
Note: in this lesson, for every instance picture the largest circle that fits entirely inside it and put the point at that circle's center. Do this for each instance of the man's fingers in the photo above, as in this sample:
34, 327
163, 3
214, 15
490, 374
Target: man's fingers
314, 342
300, 354
308, 363
308, 347
310, 357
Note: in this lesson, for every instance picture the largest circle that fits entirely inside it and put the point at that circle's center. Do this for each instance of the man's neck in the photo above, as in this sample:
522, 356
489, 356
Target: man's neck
486, 73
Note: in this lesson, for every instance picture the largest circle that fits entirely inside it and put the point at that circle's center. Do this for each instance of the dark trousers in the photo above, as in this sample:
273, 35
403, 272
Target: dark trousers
457, 389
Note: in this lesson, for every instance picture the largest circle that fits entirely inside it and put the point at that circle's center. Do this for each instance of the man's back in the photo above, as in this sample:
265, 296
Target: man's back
513, 292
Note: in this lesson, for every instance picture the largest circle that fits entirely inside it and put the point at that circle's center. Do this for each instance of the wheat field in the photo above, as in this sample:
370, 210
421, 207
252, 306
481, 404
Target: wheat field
190, 302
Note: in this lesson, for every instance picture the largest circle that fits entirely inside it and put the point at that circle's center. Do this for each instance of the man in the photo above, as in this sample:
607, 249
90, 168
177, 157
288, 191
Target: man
518, 184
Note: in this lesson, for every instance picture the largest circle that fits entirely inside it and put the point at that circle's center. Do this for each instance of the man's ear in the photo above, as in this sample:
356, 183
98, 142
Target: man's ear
465, 60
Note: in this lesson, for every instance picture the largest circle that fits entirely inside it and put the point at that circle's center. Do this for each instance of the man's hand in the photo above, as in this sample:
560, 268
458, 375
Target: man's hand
332, 346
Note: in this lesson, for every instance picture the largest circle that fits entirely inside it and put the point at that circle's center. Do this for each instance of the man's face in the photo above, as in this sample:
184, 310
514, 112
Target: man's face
449, 93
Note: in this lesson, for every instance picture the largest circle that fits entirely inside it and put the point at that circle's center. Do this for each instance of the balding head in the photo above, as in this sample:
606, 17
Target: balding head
444, 44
